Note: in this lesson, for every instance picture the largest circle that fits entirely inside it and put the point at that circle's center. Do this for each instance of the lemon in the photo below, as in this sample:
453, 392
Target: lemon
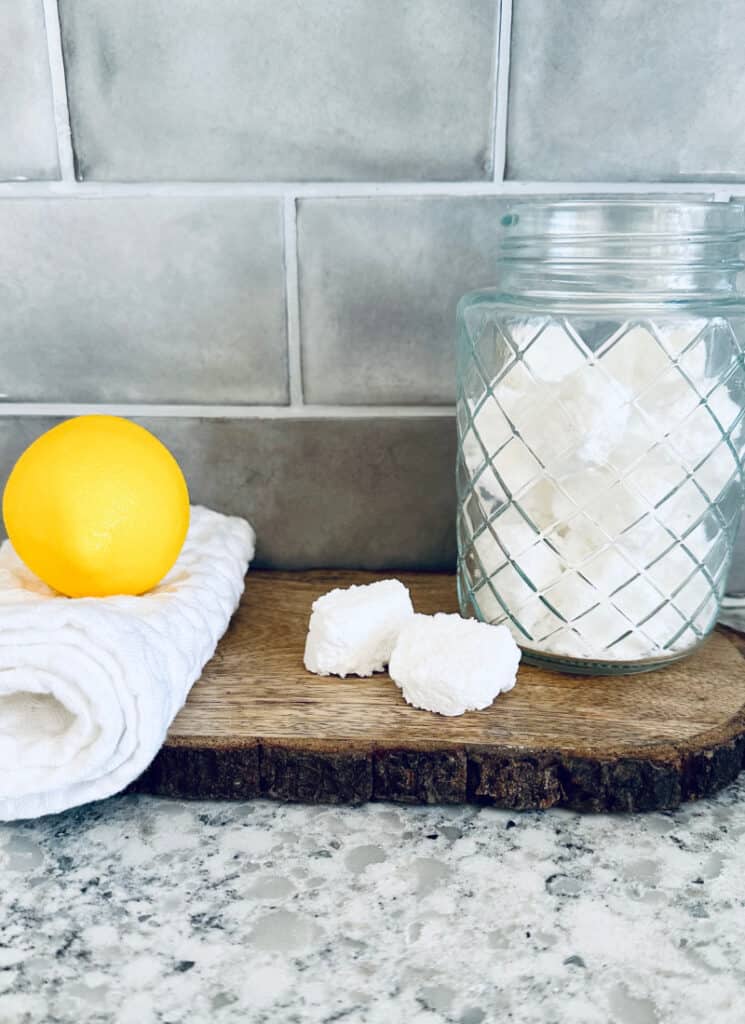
97, 506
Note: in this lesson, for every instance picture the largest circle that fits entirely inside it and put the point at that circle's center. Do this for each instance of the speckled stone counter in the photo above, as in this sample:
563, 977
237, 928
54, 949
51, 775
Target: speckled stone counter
142, 910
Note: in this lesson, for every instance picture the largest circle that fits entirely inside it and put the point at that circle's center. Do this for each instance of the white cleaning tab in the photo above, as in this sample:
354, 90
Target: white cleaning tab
450, 665
353, 631
89, 686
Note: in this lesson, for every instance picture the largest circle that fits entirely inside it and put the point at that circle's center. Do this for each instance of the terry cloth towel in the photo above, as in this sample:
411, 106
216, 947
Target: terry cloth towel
89, 686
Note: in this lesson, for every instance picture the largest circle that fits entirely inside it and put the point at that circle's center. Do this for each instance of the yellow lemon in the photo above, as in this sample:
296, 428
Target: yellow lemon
97, 506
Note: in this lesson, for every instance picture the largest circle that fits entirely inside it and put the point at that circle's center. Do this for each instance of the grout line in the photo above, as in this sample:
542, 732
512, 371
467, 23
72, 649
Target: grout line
59, 90
239, 412
292, 294
364, 190
502, 89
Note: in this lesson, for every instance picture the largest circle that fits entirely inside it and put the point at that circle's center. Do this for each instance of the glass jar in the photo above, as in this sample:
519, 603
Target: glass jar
601, 424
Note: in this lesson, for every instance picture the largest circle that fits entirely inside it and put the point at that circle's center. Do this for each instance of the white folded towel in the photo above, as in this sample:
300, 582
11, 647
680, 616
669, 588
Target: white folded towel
89, 686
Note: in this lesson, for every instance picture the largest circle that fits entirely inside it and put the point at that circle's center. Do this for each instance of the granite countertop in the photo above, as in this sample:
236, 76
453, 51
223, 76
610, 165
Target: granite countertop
141, 910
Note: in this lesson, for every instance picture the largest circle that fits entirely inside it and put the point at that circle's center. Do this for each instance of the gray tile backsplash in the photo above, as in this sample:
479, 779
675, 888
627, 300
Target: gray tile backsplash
246, 89
142, 300
737, 575
379, 281
627, 91
28, 137
385, 498
172, 271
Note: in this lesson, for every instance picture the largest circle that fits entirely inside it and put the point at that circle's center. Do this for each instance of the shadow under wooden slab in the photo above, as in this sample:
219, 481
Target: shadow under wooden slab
257, 724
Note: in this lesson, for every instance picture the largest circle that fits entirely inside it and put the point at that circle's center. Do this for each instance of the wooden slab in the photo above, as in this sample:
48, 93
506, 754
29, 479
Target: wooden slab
257, 724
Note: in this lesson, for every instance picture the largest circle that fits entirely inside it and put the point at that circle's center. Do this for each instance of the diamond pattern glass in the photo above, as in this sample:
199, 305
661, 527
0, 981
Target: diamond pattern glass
600, 480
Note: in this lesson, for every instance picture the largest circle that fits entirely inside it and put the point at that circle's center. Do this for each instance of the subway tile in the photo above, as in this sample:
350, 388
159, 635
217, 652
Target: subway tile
373, 493
370, 493
631, 91
237, 89
143, 300
736, 582
379, 283
27, 128
737, 573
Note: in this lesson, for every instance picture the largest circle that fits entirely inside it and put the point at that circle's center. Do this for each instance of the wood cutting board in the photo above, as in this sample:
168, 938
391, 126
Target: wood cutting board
258, 725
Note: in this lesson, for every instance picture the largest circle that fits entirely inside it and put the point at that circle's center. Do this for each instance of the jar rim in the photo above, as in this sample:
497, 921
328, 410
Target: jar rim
623, 216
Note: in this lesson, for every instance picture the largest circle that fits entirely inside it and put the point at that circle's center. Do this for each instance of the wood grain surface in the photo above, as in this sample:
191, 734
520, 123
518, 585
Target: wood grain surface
257, 724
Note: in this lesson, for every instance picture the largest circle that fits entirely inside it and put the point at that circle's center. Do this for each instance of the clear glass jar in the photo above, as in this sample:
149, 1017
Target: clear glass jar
601, 424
